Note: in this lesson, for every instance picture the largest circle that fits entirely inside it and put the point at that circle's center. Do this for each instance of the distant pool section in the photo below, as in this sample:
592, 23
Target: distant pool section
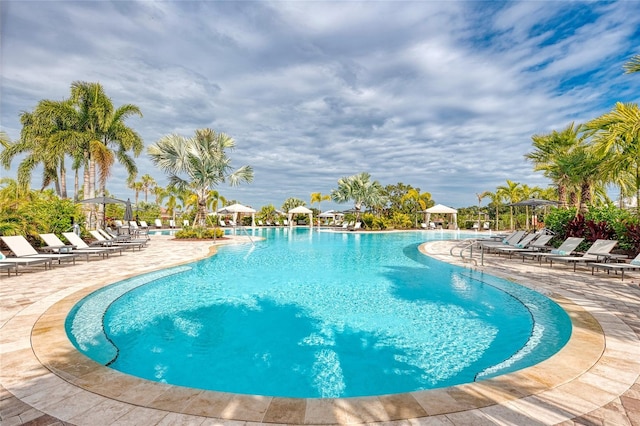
313, 314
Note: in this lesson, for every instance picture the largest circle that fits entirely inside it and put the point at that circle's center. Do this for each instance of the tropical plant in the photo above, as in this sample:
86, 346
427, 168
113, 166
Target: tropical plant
549, 152
198, 163
359, 189
317, 197
137, 188
616, 139
414, 202
292, 203
633, 65
148, 183
510, 192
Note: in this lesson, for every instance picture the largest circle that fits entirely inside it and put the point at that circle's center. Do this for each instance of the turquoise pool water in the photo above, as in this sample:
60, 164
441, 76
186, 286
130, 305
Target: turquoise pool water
318, 315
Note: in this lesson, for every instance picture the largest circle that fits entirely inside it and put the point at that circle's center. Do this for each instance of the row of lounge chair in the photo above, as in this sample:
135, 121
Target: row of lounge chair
536, 246
24, 254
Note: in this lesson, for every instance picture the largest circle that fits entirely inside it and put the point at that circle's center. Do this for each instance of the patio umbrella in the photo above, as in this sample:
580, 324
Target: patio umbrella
104, 201
535, 202
128, 211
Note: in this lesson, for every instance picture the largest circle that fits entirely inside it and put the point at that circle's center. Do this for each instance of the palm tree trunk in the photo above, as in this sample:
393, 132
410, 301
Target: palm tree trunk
585, 197
63, 180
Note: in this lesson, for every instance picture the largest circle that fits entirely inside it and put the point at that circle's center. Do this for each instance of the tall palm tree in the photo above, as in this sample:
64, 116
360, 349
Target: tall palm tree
359, 189
102, 126
480, 196
633, 65
202, 160
496, 199
45, 140
510, 192
148, 183
160, 194
549, 149
137, 189
317, 197
616, 139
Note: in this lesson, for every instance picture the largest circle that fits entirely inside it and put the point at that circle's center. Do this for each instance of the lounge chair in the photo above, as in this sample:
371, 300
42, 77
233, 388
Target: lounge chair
633, 265
509, 241
598, 251
8, 267
567, 247
56, 245
357, 226
185, 223
80, 243
538, 244
158, 223
22, 249
172, 223
106, 239
137, 231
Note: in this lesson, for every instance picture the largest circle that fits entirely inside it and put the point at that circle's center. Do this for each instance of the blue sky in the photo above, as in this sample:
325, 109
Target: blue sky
444, 96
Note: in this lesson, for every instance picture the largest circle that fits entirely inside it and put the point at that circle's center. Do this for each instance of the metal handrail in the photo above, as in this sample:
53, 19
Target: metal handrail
464, 246
246, 233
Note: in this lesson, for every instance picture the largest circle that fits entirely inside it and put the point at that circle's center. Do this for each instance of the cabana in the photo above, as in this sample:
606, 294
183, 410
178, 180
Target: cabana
442, 209
301, 210
235, 209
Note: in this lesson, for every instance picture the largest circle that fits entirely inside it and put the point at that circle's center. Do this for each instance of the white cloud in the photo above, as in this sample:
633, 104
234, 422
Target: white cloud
440, 95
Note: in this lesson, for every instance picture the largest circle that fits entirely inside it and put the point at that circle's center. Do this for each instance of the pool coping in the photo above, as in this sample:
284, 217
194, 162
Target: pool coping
595, 367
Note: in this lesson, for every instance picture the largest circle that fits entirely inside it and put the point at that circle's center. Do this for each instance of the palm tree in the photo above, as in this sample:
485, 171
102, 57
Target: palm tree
549, 152
100, 126
4, 139
481, 196
137, 188
359, 189
510, 192
317, 197
148, 183
415, 202
616, 139
203, 160
633, 65
496, 199
160, 193
44, 140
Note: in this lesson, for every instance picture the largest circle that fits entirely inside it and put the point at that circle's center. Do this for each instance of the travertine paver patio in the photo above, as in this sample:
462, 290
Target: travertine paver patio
592, 381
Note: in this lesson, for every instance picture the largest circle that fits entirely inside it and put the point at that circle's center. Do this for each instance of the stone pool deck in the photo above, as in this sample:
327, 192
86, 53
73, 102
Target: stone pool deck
593, 380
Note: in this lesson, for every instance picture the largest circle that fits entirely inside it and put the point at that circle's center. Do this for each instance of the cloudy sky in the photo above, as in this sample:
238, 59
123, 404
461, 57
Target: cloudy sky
444, 96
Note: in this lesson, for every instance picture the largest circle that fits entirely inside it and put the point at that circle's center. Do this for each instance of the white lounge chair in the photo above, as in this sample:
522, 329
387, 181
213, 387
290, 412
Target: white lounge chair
567, 247
9, 263
110, 242
23, 249
536, 244
56, 245
80, 243
158, 223
172, 223
598, 251
633, 265
185, 223
7, 266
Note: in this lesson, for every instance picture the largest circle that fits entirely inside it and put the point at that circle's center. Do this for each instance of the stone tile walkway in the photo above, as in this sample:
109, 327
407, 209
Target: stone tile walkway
594, 380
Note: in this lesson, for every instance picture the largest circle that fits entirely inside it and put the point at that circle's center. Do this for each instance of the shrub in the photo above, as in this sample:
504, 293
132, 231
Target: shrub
401, 221
199, 233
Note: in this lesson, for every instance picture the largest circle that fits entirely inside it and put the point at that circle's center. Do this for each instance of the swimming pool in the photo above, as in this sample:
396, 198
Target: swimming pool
318, 315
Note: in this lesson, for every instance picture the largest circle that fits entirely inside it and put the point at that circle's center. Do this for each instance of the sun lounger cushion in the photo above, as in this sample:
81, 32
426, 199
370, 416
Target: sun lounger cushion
560, 252
635, 262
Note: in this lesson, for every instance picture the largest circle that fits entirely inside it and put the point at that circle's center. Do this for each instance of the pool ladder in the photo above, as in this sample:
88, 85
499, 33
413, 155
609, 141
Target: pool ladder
463, 247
